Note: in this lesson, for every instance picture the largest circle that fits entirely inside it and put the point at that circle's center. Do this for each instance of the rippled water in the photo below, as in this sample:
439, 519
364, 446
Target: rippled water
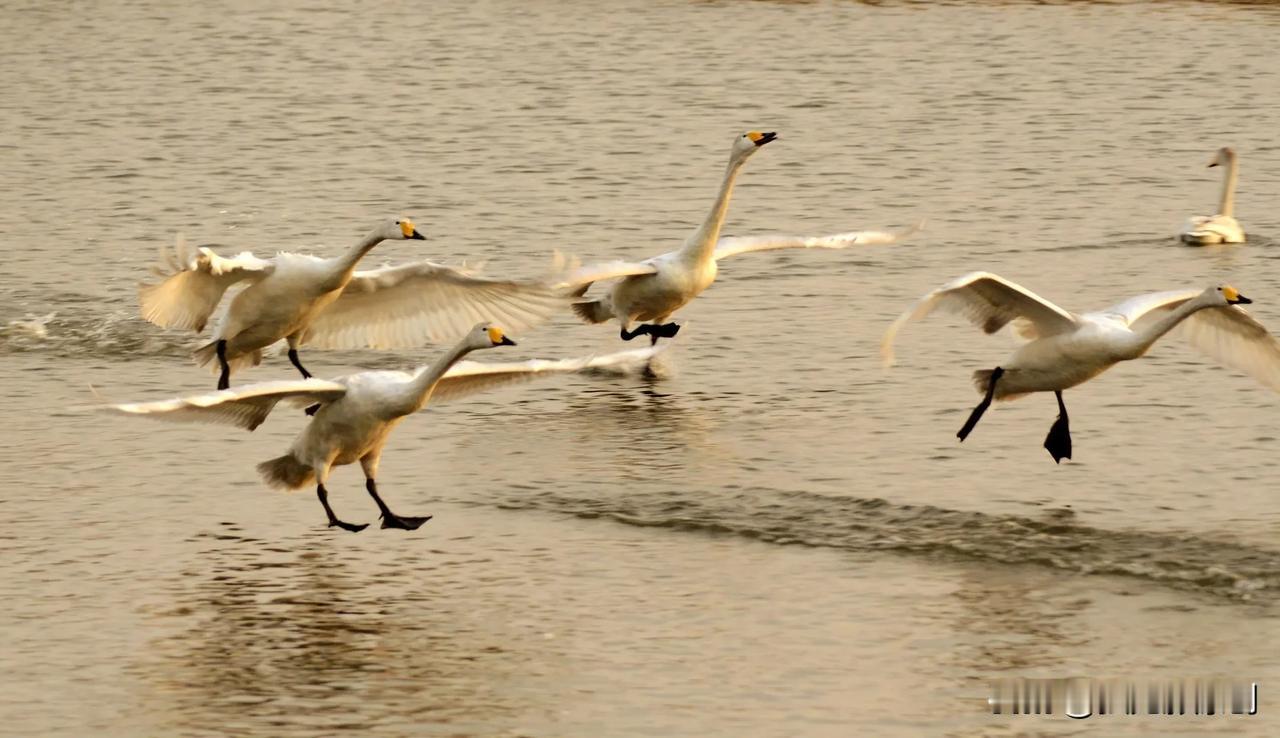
780, 538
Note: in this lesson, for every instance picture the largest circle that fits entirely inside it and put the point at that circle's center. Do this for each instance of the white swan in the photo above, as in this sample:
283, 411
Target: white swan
651, 290
1065, 349
326, 302
1221, 228
358, 412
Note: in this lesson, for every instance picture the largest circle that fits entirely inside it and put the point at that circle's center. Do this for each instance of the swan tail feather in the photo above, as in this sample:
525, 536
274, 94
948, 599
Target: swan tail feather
286, 472
208, 353
982, 379
593, 311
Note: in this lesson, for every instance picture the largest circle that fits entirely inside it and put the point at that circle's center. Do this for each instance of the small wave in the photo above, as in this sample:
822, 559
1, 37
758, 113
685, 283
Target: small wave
1217, 568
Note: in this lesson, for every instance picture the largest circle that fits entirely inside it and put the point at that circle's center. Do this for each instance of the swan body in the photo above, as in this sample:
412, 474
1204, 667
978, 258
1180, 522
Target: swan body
1064, 350
328, 303
1221, 228
357, 413
650, 291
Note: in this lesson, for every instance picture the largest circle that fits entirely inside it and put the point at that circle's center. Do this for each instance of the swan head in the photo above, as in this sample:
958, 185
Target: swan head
486, 336
1225, 294
750, 142
400, 228
1224, 156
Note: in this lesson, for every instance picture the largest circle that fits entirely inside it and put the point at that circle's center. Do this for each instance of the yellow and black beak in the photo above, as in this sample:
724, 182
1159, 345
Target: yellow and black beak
760, 139
406, 228
1234, 297
498, 338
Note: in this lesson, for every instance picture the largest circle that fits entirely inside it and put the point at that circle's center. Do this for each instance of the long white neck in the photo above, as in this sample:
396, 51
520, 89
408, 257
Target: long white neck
1228, 204
420, 389
702, 245
1142, 340
347, 262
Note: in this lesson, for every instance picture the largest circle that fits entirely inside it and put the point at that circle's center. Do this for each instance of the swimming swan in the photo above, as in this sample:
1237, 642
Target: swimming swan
1066, 349
1221, 228
327, 303
358, 412
651, 290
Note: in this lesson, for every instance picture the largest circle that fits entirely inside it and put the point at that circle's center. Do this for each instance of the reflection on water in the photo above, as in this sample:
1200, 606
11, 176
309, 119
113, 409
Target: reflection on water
294, 635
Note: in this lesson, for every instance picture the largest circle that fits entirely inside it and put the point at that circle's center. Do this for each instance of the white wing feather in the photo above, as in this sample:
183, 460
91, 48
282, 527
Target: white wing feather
732, 246
412, 304
579, 279
989, 302
1227, 334
469, 377
246, 406
193, 284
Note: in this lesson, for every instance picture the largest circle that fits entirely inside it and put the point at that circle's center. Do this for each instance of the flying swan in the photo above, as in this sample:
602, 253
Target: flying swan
1221, 228
327, 303
1065, 349
358, 412
650, 291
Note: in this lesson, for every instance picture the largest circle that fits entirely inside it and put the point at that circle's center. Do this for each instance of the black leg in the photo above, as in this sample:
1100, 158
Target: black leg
390, 519
1058, 442
323, 494
293, 359
976, 415
224, 380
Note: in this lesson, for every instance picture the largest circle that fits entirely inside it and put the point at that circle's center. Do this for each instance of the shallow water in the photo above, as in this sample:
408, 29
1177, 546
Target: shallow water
778, 537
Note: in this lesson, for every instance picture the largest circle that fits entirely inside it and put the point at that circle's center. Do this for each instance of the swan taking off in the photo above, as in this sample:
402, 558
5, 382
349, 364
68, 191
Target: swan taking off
651, 290
358, 412
1065, 349
326, 302
1221, 228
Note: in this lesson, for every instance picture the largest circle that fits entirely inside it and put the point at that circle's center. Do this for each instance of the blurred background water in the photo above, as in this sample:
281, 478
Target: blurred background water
778, 538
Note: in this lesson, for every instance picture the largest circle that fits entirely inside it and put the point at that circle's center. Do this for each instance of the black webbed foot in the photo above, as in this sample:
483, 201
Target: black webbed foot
353, 527
666, 330
1058, 442
639, 331
391, 520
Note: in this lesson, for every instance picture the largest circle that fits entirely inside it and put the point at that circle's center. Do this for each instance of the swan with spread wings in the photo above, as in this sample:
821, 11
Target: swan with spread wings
357, 413
1065, 349
650, 291
308, 300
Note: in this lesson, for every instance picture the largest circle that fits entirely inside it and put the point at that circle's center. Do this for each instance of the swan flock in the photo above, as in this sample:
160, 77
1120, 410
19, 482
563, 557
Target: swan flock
311, 301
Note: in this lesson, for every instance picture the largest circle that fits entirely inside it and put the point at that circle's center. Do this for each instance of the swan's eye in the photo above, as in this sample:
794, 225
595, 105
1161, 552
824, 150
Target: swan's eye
1219, 289
397, 222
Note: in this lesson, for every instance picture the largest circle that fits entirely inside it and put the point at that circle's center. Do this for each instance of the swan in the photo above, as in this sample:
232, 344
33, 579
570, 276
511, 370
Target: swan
358, 412
328, 303
1065, 349
650, 291
1221, 228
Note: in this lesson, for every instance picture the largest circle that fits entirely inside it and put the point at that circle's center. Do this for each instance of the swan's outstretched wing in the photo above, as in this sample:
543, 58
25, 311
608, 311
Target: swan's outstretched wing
469, 377
579, 279
989, 302
194, 282
1227, 334
412, 304
1136, 312
245, 406
732, 246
